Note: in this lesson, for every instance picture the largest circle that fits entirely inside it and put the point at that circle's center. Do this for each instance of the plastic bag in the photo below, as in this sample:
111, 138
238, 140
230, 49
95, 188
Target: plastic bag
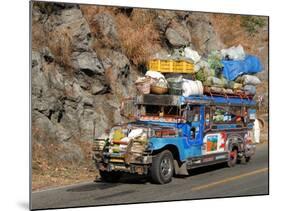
233, 53
191, 54
190, 87
233, 69
135, 133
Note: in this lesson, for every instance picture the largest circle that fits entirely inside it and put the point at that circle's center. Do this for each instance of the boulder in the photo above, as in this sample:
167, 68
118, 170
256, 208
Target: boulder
204, 37
182, 30
175, 39
71, 22
87, 62
98, 87
106, 28
43, 130
38, 77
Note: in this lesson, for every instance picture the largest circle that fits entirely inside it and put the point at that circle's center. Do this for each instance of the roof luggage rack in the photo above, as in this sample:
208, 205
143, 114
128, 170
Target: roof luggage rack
236, 94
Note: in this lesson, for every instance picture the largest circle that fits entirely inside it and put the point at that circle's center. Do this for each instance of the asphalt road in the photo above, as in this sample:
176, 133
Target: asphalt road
208, 182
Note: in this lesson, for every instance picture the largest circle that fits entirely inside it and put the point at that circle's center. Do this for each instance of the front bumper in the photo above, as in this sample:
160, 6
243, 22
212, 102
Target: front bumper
126, 168
130, 163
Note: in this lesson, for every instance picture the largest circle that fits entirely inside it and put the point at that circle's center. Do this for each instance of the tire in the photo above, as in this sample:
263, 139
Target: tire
162, 168
111, 176
232, 158
244, 160
247, 159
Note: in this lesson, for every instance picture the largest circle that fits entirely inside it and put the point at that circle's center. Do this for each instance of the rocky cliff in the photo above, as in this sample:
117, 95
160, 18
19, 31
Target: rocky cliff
86, 58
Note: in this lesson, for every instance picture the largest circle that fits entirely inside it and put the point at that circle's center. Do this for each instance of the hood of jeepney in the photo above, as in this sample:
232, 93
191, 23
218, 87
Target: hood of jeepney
135, 137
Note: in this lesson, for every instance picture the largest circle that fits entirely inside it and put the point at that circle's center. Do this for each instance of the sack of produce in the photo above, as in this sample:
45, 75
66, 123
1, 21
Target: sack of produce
143, 85
234, 85
250, 89
215, 82
192, 88
248, 80
228, 91
216, 89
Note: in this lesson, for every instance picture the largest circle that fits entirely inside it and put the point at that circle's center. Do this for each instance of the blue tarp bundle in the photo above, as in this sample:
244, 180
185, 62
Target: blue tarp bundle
250, 65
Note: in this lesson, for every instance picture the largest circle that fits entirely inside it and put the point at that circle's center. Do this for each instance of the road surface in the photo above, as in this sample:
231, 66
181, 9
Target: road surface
208, 182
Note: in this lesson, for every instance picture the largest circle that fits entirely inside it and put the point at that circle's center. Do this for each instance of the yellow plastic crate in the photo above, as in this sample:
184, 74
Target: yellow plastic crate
183, 67
171, 66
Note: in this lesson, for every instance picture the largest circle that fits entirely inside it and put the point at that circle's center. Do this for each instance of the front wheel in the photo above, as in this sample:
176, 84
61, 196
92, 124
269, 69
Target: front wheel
162, 168
111, 176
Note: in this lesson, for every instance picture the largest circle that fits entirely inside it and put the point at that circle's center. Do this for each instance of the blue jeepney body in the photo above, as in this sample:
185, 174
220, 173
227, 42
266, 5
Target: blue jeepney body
186, 146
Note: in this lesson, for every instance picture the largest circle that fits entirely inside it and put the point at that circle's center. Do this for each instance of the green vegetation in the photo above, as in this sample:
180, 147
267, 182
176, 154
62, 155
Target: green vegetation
252, 23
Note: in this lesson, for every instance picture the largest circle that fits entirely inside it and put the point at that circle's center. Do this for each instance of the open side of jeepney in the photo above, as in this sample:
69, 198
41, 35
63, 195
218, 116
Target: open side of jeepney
172, 134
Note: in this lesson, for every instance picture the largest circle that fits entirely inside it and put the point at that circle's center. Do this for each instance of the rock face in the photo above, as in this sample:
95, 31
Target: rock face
178, 34
81, 73
106, 28
175, 39
87, 62
204, 37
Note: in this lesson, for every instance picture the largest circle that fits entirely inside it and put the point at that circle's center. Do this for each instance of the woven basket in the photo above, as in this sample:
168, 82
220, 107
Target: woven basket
158, 90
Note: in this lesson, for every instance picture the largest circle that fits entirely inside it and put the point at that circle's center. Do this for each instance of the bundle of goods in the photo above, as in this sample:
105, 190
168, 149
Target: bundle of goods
229, 71
119, 143
175, 85
153, 82
143, 85
125, 147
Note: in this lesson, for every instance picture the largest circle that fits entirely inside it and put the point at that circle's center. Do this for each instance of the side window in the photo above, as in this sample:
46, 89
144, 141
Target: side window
196, 113
227, 114
194, 131
207, 117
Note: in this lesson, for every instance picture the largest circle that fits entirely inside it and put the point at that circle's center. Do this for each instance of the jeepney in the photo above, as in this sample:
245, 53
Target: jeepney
172, 134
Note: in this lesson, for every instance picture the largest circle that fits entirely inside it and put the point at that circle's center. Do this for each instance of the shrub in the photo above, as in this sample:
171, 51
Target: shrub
252, 23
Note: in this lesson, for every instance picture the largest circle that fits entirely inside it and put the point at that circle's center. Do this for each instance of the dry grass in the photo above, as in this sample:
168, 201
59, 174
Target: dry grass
89, 13
58, 41
230, 29
139, 38
49, 171
137, 35
60, 44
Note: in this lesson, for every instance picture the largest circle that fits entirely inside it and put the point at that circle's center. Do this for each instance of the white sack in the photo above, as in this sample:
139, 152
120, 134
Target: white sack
256, 131
190, 87
135, 133
250, 80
